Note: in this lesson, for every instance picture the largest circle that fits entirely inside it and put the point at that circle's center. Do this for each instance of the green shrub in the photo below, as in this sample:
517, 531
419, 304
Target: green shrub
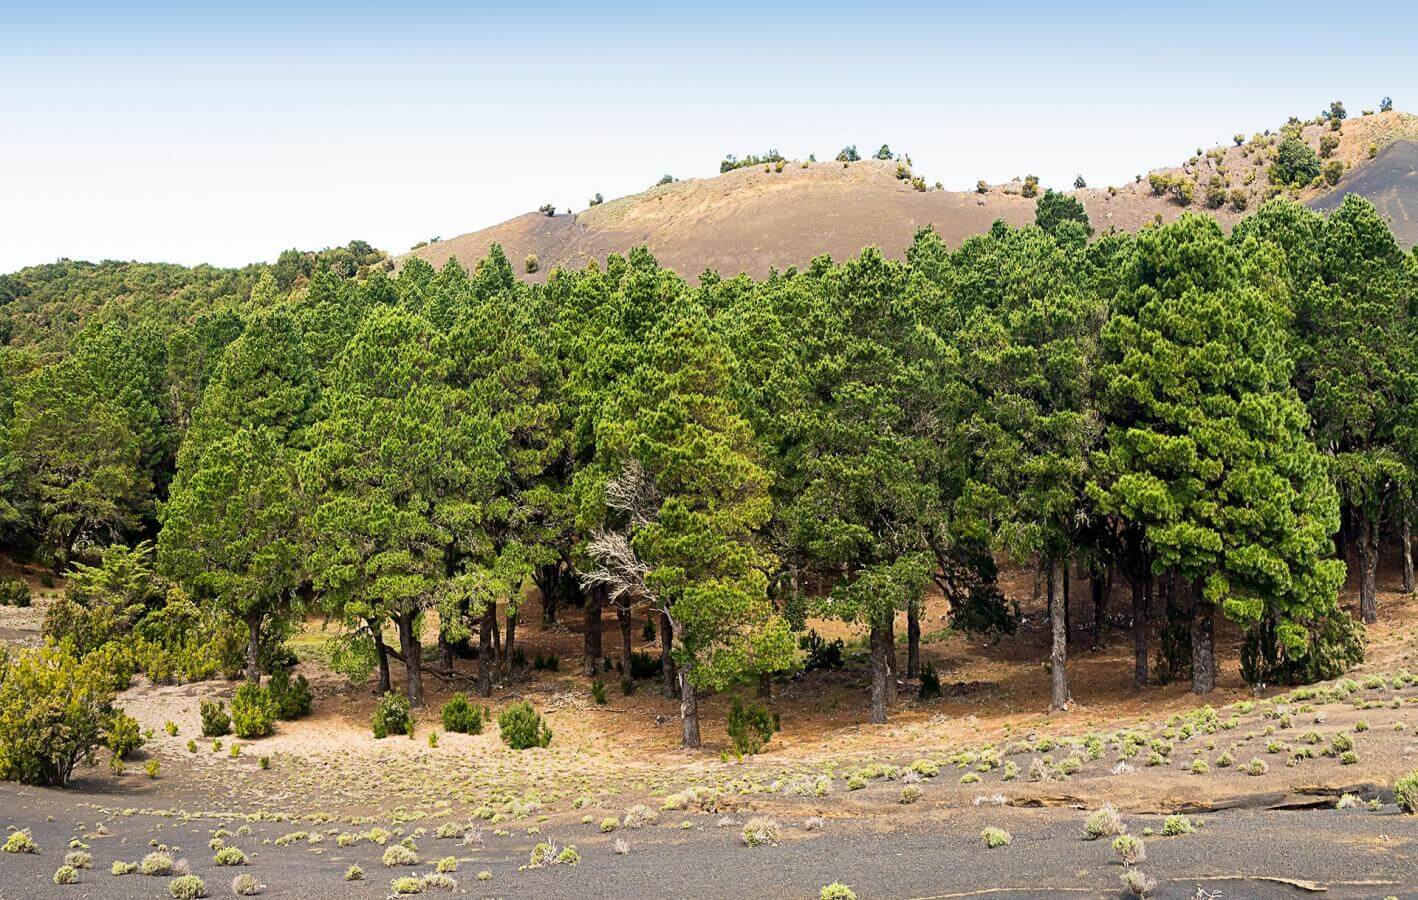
521, 727
52, 713
598, 692
399, 855
122, 868
215, 721
531, 263
837, 891
995, 837
122, 734
460, 716
245, 885
156, 864
750, 726
1295, 163
252, 711
1173, 826
1405, 792
66, 875
20, 842
292, 699
392, 715
229, 856
14, 592
759, 831
187, 887
1335, 645
407, 884
1131, 850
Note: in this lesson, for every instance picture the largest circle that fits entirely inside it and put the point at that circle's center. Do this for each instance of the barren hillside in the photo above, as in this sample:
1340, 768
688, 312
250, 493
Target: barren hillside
775, 216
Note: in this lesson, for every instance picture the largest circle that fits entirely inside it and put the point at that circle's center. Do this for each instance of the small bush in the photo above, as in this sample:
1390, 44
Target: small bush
291, 699
1103, 822
186, 887
392, 715
405, 885
122, 868
79, 859
1130, 850
750, 726
759, 831
448, 864
354, 873
910, 793
14, 592
1405, 792
460, 716
20, 842
1174, 826
995, 837
598, 692
54, 710
930, 683
252, 711
215, 721
245, 885
531, 263
639, 815
609, 824
229, 856
399, 855
156, 864
66, 875
1138, 883
837, 891
522, 727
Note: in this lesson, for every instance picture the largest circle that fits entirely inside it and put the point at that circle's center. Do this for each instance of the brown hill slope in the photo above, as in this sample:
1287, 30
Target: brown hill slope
757, 218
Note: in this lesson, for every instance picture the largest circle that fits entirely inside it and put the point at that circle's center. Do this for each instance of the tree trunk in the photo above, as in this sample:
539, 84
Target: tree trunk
765, 686
1058, 657
688, 712
1341, 539
891, 661
1141, 625
547, 578
1203, 645
496, 635
485, 652
880, 672
1407, 557
1067, 608
1368, 564
622, 616
381, 653
1099, 585
591, 645
667, 636
913, 640
445, 651
413, 658
509, 645
253, 648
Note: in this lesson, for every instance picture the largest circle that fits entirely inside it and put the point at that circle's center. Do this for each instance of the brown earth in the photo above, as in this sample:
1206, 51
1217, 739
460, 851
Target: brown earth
758, 218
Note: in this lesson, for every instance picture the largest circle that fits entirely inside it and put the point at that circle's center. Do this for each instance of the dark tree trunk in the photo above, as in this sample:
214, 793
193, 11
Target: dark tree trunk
1067, 608
485, 651
1368, 564
253, 647
688, 712
548, 578
413, 658
381, 654
622, 616
1203, 645
765, 686
496, 635
509, 645
880, 671
1141, 625
592, 646
669, 681
1058, 656
1099, 585
445, 652
1407, 557
891, 661
1341, 538
913, 640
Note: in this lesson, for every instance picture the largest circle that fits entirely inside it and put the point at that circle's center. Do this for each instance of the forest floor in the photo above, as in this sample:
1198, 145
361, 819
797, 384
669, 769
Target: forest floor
833, 784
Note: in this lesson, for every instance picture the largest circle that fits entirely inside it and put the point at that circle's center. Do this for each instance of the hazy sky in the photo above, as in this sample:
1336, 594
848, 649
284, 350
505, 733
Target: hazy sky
163, 132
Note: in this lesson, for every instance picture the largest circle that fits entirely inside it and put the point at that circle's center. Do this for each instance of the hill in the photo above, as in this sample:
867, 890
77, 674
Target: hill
1390, 182
756, 218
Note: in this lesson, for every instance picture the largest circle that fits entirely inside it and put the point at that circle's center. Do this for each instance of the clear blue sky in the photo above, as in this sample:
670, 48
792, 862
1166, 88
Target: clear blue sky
164, 132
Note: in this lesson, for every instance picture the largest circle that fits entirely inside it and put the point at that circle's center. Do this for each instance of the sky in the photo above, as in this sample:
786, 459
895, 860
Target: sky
166, 132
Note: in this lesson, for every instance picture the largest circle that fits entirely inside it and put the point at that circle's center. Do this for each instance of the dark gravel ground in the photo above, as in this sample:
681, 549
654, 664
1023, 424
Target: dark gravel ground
1351, 854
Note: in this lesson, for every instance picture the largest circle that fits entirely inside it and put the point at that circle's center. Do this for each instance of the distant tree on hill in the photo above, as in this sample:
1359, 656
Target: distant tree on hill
849, 154
1336, 111
597, 200
1053, 209
665, 179
1386, 104
547, 209
1031, 186
1079, 184
884, 152
1295, 163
